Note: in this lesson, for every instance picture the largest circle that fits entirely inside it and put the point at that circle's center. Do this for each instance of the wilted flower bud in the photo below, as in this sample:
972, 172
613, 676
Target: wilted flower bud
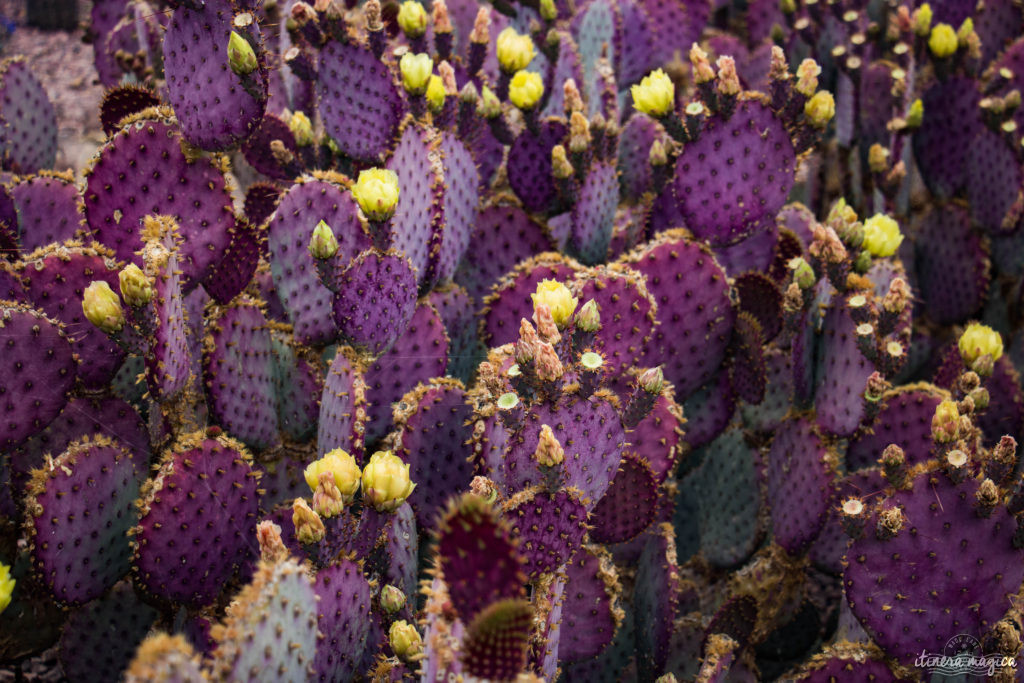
272, 547
309, 528
890, 522
549, 452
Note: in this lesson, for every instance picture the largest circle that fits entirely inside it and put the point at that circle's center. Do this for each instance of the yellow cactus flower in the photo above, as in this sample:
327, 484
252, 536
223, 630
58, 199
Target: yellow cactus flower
386, 482
882, 235
405, 640
102, 307
943, 41
435, 93
344, 468
820, 109
515, 51
416, 70
558, 299
526, 89
979, 340
376, 192
655, 95
412, 19
945, 422
6, 586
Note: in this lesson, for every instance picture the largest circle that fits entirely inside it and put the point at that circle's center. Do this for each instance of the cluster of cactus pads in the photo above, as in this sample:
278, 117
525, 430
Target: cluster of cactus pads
616, 340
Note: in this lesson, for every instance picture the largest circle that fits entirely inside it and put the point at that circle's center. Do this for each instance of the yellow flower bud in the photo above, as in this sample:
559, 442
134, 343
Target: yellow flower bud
412, 18
549, 452
302, 129
344, 468
558, 299
241, 57
945, 422
882, 235
323, 244
655, 94
405, 640
943, 41
526, 89
963, 34
136, 287
915, 114
979, 340
820, 109
392, 599
6, 586
376, 192
435, 93
102, 307
386, 482
923, 20
309, 528
416, 70
515, 51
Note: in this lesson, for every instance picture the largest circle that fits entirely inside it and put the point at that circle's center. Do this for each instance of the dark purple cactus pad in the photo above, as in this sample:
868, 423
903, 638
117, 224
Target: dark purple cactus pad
843, 375
762, 299
569, 65
216, 107
295, 276
258, 152
359, 101
496, 644
458, 311
590, 432
509, 300
198, 522
948, 130
845, 661
635, 142
298, 384
630, 229
996, 23
478, 556
122, 101
38, 371
504, 235
590, 611
627, 313
728, 497
952, 265
80, 511
747, 365
103, 635
550, 527
260, 202
767, 414
673, 24
55, 281
708, 410
656, 596
658, 439
143, 171
459, 205
799, 474
48, 209
418, 355
239, 373
529, 166
630, 504
28, 121
432, 438
402, 546
375, 300
830, 546
418, 222
695, 310
738, 172
343, 406
103, 18
906, 420
12, 285
82, 417
754, 253
635, 51
171, 360
954, 572
238, 266
343, 617
593, 214
282, 480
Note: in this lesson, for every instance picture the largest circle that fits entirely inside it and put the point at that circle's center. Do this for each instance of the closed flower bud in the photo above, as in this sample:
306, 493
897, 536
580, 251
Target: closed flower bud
272, 547
136, 287
241, 57
979, 340
416, 70
728, 79
548, 11
652, 381
405, 640
558, 299
803, 273
302, 129
323, 244
588, 318
945, 422
526, 89
702, 71
309, 528
561, 167
327, 500
376, 192
915, 115
820, 109
102, 307
878, 158
549, 367
549, 452
923, 20
807, 77
943, 41
515, 51
882, 235
412, 19
489, 106
435, 94
386, 482
655, 94
392, 599
6, 586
